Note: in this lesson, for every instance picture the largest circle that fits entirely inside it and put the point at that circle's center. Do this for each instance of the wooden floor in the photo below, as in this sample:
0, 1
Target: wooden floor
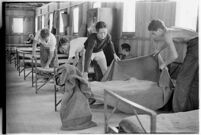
27, 112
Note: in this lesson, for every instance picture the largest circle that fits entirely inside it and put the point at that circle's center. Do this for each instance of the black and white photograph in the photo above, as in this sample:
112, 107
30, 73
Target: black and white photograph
100, 67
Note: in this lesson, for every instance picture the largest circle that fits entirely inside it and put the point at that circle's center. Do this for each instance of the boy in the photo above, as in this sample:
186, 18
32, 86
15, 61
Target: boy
94, 46
47, 43
30, 39
63, 46
74, 50
125, 47
184, 98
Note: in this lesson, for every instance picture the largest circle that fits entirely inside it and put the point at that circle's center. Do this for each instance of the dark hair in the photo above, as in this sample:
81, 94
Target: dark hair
44, 33
100, 25
126, 46
63, 40
154, 25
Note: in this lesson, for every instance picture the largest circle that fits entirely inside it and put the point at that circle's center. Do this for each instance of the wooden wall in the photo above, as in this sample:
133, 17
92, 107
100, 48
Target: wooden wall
83, 8
28, 23
140, 41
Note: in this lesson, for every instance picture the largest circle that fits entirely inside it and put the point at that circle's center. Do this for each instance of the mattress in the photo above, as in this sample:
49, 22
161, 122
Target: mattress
182, 122
143, 92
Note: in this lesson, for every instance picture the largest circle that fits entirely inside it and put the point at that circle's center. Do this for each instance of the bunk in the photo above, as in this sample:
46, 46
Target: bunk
149, 121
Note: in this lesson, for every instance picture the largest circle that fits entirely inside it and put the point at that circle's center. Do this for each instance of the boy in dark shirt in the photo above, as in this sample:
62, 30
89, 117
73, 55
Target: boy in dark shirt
30, 39
94, 46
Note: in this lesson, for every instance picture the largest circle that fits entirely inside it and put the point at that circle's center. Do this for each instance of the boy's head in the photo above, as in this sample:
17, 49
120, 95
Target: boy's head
44, 33
31, 36
125, 49
101, 30
156, 28
64, 45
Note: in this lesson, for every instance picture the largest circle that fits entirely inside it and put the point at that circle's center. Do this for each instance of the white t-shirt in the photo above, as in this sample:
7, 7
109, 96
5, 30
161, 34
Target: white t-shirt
51, 43
76, 45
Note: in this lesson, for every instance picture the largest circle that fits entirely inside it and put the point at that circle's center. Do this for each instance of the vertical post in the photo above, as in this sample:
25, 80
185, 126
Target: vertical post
83, 60
55, 92
32, 71
36, 75
24, 65
105, 113
153, 124
19, 64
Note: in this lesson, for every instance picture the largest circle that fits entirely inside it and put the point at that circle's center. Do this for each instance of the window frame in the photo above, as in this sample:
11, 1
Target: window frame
98, 2
61, 20
180, 11
50, 23
36, 24
12, 27
128, 34
76, 33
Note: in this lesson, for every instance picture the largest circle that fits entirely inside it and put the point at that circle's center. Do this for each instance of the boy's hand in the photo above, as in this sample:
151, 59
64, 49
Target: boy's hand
116, 58
163, 66
156, 52
46, 66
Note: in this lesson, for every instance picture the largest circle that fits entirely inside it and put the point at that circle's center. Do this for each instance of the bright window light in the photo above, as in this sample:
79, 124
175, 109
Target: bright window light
61, 26
43, 21
75, 20
17, 26
36, 24
51, 20
97, 5
187, 13
129, 16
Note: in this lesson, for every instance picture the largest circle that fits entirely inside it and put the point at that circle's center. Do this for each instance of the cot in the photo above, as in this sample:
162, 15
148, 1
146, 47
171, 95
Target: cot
40, 72
24, 57
11, 51
149, 121
137, 79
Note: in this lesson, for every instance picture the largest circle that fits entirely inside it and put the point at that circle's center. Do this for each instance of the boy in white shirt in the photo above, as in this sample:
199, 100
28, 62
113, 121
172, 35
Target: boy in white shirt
47, 42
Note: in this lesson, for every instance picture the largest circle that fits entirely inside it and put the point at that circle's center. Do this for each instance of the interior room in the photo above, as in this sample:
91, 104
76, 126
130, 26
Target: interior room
101, 67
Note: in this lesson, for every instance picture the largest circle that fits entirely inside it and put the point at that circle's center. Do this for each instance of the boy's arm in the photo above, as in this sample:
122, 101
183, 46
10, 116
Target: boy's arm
173, 52
113, 51
34, 47
49, 59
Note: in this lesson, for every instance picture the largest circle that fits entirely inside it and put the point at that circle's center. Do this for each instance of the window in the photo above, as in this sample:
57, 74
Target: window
50, 20
36, 24
129, 16
61, 23
187, 14
97, 5
17, 26
75, 20
43, 21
